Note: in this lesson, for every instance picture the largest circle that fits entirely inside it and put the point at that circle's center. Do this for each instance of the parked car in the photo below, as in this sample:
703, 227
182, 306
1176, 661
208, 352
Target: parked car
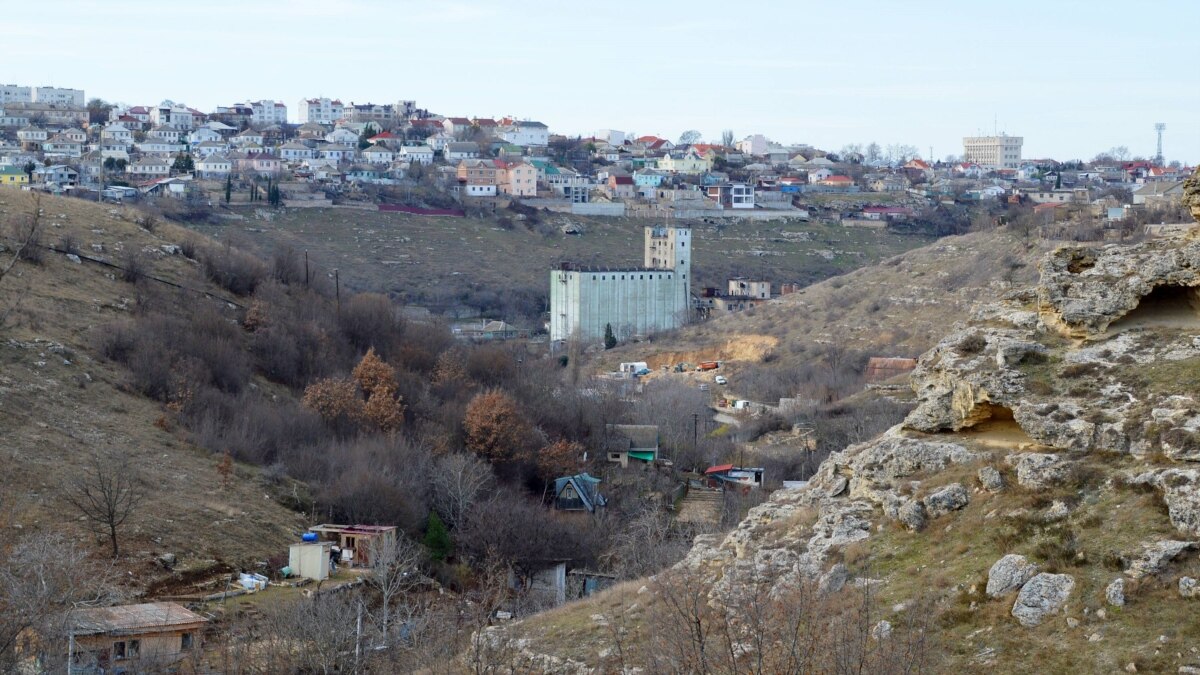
720, 379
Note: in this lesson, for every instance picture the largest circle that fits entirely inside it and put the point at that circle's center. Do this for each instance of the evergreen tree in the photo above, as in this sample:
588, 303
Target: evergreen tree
228, 188
610, 340
437, 539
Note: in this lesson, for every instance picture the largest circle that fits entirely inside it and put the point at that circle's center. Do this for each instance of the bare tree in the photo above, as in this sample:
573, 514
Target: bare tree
727, 138
106, 493
460, 479
42, 576
689, 137
395, 566
25, 232
309, 635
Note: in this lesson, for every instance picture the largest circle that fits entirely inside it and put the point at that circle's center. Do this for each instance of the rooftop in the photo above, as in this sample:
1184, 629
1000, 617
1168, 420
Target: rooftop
133, 619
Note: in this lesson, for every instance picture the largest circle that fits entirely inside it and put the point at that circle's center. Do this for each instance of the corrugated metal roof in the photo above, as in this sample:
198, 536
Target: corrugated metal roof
131, 619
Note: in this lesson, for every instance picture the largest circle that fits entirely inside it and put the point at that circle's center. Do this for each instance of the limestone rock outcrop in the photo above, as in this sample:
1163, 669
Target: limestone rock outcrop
1008, 574
1041, 596
1084, 289
1154, 557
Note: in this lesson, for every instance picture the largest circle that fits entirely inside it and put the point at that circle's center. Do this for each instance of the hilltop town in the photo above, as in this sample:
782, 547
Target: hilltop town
358, 387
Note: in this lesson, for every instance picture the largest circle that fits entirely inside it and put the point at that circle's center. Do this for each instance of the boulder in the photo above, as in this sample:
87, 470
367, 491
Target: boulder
912, 515
1181, 492
1114, 594
834, 580
882, 630
1039, 471
1188, 587
1008, 574
950, 498
1155, 557
1041, 596
990, 479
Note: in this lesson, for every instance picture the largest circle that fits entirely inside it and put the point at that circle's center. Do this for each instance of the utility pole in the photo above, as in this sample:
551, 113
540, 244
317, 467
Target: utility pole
337, 290
358, 635
306, 268
695, 430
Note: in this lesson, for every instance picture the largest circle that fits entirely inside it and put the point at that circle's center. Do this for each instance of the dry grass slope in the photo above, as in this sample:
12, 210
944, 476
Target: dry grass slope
60, 400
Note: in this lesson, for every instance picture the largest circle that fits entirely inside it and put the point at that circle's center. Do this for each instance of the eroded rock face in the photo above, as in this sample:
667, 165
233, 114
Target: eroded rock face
1191, 194
1084, 289
1008, 574
1181, 492
1041, 596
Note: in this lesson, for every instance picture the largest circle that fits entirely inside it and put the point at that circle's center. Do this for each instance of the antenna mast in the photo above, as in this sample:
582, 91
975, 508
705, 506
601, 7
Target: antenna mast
1159, 128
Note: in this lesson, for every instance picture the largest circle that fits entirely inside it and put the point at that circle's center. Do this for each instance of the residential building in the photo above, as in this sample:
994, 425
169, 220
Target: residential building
337, 153
342, 136
378, 154
177, 115
52, 114
479, 172
749, 288
356, 541
214, 166
687, 162
519, 179
1158, 193
732, 195
204, 134
525, 133
385, 114
421, 154
993, 152
631, 302
13, 176
320, 110
15, 93
755, 145
267, 112
166, 133
459, 151
158, 146
31, 137
295, 151
57, 96
624, 442
56, 173
621, 187
150, 637
60, 145
150, 167
580, 492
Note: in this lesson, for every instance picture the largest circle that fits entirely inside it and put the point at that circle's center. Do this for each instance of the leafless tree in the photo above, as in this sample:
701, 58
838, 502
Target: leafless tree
106, 492
689, 137
647, 544
727, 138
458, 482
42, 576
310, 635
24, 245
395, 566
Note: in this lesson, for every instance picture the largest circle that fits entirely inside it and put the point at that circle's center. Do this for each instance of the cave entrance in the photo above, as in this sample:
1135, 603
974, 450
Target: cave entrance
1167, 306
995, 426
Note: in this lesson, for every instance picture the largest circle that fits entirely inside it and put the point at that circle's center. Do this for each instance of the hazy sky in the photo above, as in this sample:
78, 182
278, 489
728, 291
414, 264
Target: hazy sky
1073, 78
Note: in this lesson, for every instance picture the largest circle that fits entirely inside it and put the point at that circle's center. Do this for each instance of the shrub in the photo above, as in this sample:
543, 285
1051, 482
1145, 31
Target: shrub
971, 344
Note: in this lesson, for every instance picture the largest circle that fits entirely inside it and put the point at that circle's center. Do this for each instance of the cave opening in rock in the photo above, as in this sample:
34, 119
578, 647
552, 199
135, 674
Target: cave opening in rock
1169, 306
995, 426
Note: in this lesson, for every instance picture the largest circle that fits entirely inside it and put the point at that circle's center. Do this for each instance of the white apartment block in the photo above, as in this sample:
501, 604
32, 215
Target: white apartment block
993, 152
267, 112
58, 96
15, 93
320, 110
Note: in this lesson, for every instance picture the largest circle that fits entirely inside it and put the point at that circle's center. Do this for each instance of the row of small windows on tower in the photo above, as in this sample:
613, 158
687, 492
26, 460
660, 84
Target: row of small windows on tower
632, 277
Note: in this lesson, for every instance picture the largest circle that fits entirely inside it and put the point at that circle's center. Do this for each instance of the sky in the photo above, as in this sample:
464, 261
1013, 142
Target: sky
1073, 78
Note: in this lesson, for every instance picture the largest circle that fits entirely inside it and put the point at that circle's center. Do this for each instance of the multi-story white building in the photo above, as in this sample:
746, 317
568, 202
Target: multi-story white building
526, 134
993, 152
634, 301
15, 93
267, 112
175, 115
320, 110
57, 96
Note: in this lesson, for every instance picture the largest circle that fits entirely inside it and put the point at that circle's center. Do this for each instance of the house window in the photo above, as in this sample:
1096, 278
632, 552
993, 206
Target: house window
185, 641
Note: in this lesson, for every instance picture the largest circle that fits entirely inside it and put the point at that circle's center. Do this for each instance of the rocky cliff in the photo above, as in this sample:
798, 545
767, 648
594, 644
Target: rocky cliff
1039, 511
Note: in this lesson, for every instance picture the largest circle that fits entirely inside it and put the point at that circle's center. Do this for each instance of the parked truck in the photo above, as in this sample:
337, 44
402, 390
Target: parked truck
708, 365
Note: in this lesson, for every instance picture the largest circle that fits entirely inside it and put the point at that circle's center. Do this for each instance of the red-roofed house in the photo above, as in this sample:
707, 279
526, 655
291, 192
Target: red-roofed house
836, 181
621, 187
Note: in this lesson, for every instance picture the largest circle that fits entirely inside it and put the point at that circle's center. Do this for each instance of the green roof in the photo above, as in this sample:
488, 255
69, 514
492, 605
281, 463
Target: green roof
12, 170
644, 455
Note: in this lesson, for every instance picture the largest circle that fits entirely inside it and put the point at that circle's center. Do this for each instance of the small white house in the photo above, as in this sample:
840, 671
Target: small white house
337, 153
342, 136
214, 166
421, 154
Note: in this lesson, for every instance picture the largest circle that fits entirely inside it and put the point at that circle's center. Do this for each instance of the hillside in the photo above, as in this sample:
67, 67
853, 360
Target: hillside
1036, 513
445, 262
899, 307
60, 400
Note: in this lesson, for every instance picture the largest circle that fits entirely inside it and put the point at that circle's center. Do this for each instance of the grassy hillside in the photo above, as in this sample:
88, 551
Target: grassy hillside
899, 307
443, 262
60, 401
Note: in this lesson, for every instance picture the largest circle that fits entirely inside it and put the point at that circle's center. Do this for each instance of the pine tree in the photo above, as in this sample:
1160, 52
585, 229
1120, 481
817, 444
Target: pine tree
610, 340
437, 539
